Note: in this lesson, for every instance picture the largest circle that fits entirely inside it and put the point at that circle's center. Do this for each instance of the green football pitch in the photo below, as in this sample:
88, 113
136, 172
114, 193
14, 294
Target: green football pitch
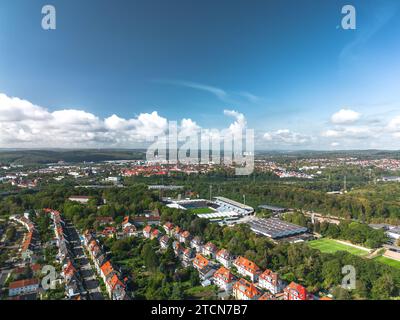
390, 262
201, 210
331, 246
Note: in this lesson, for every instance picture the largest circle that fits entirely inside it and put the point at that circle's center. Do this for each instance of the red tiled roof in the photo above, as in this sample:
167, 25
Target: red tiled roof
223, 253
147, 229
247, 288
169, 225
267, 296
200, 261
114, 281
299, 289
106, 268
185, 234
23, 283
224, 274
270, 274
247, 264
210, 246
126, 220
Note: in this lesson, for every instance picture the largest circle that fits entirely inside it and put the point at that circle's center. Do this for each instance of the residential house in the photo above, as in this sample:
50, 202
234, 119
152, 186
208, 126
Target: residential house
184, 237
210, 249
270, 281
224, 279
224, 257
106, 271
197, 244
109, 232
22, 287
115, 288
164, 240
295, 291
80, 199
176, 232
149, 220
155, 234
104, 220
168, 227
187, 257
178, 249
126, 222
147, 232
206, 273
200, 262
247, 268
267, 296
129, 231
245, 290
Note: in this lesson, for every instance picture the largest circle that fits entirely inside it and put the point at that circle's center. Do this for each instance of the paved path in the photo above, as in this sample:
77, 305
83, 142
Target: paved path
89, 279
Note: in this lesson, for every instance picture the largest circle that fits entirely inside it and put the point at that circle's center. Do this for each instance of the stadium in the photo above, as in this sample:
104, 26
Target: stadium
220, 209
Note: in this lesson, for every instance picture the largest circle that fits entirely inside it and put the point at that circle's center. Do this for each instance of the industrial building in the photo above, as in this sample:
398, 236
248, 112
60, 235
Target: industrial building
275, 228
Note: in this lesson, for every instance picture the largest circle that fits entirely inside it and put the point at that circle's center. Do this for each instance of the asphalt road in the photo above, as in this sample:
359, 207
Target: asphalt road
89, 280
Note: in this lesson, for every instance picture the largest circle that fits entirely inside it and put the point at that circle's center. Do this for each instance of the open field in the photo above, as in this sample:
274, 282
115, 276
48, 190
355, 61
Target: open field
390, 262
201, 210
331, 246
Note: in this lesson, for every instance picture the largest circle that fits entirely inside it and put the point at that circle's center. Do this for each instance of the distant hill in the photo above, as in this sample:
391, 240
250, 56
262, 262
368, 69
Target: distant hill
26, 157
307, 154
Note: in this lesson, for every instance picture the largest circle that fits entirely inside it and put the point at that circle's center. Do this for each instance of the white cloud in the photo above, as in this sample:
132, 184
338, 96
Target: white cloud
394, 124
15, 109
349, 132
23, 124
239, 125
267, 136
344, 116
287, 137
188, 127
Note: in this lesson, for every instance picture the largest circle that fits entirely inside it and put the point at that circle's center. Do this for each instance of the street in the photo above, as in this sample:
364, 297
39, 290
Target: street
89, 280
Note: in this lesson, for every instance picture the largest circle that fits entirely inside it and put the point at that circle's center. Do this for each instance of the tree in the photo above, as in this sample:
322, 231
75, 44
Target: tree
10, 233
331, 273
383, 288
150, 257
341, 294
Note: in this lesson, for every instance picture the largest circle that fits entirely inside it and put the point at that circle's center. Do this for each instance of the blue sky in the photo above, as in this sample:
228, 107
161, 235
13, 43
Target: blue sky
286, 66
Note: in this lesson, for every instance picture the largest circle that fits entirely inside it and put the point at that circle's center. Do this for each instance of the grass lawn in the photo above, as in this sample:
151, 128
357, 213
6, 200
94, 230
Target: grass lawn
388, 261
331, 246
199, 292
201, 210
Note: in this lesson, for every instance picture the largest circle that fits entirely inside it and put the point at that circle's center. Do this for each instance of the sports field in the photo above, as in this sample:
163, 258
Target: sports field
201, 210
331, 246
388, 261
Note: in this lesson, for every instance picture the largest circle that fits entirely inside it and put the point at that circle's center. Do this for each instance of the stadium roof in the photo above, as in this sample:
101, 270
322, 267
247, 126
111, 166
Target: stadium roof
275, 228
234, 203
271, 208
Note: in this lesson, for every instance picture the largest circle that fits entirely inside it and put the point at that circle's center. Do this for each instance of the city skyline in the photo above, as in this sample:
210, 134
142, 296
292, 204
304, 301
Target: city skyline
110, 78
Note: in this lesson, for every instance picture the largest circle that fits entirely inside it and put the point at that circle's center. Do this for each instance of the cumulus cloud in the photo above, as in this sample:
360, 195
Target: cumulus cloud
188, 127
394, 124
15, 109
345, 116
23, 124
349, 132
240, 123
287, 137
393, 127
